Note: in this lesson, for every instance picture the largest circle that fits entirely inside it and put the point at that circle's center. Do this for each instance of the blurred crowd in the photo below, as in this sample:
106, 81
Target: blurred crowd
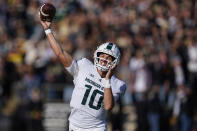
158, 42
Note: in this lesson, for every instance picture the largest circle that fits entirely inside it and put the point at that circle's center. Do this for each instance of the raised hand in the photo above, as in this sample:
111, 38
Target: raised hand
45, 24
109, 73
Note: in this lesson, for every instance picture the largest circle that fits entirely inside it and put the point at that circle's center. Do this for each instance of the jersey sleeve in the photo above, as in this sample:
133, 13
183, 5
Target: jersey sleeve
119, 90
123, 89
73, 68
77, 65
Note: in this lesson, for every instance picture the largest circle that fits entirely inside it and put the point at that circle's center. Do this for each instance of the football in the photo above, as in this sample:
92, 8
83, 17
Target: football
47, 12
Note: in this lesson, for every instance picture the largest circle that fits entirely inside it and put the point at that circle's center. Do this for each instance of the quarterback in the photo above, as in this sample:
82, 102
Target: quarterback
95, 87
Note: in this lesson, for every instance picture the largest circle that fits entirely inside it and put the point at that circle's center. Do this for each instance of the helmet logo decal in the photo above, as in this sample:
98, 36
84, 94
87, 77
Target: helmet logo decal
109, 46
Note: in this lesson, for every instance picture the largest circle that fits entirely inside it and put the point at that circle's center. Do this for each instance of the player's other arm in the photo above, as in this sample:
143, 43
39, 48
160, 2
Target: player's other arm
63, 56
108, 96
108, 99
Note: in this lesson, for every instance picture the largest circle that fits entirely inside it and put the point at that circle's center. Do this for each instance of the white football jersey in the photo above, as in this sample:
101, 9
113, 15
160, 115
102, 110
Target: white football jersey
87, 106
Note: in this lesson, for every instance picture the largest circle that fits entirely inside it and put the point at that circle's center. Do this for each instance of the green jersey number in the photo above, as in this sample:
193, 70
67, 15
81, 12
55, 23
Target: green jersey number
92, 98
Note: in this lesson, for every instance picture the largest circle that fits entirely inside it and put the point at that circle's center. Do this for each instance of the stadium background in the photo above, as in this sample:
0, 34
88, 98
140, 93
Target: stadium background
159, 62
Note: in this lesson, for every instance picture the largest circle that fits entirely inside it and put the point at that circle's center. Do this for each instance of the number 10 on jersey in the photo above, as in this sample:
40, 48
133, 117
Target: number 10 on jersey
92, 97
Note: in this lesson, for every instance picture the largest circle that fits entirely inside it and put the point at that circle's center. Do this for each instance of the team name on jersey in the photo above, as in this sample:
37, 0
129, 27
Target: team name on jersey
94, 83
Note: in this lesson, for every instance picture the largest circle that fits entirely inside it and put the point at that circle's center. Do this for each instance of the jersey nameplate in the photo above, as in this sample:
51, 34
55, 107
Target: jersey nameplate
94, 84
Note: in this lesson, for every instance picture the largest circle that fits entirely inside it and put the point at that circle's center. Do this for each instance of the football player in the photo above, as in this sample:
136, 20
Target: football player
95, 87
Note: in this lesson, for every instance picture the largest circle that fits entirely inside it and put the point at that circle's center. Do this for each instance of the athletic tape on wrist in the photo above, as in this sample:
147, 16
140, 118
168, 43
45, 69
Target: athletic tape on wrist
47, 31
107, 84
